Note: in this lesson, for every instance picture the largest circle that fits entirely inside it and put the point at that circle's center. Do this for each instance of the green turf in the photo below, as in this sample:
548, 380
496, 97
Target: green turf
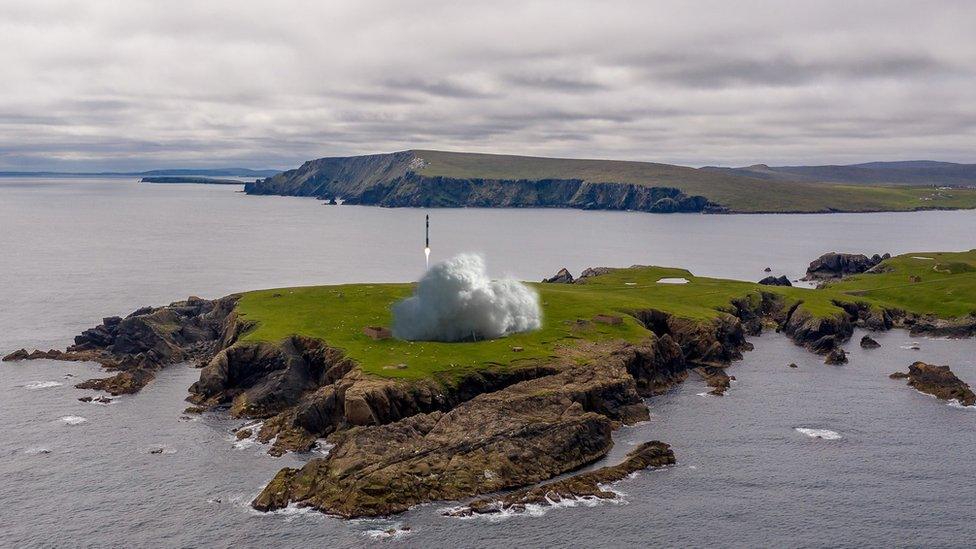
945, 285
740, 194
338, 314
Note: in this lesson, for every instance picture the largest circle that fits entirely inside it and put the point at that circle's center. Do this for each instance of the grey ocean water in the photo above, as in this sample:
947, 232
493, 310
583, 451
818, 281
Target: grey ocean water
73, 251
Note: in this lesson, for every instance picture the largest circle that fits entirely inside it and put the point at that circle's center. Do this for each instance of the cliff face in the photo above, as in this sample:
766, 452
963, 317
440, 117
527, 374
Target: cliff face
393, 180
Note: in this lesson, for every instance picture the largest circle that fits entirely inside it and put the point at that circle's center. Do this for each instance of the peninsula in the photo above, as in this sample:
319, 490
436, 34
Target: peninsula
415, 422
424, 178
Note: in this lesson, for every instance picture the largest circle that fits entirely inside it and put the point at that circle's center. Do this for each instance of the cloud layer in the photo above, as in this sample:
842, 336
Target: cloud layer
457, 301
140, 84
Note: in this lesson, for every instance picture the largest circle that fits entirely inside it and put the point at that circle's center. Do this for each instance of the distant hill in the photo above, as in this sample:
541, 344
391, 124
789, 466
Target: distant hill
203, 172
424, 178
189, 179
913, 172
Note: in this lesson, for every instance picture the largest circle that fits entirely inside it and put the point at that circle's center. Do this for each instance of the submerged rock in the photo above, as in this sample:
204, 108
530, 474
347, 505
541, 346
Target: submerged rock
716, 378
19, 354
836, 357
868, 342
898, 375
939, 381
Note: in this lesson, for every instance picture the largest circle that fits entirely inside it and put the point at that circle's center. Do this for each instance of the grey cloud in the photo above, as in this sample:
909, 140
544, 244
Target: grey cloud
102, 85
553, 83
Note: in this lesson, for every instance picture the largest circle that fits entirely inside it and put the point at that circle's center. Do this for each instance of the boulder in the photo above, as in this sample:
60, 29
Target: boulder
776, 281
561, 277
868, 342
593, 271
836, 357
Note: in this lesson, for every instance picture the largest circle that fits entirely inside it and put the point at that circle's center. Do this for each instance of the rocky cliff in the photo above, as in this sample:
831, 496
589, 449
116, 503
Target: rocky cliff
395, 180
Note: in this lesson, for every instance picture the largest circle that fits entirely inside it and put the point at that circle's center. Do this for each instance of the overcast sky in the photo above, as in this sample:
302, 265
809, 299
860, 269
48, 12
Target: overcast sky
146, 84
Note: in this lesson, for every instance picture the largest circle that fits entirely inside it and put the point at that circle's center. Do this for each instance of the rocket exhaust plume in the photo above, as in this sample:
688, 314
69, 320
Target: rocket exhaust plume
427, 244
456, 300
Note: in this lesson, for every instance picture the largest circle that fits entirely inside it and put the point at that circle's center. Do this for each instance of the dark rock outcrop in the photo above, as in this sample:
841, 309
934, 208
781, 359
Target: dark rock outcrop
962, 327
776, 281
939, 381
820, 335
137, 346
837, 265
836, 357
582, 486
307, 390
868, 342
561, 277
593, 271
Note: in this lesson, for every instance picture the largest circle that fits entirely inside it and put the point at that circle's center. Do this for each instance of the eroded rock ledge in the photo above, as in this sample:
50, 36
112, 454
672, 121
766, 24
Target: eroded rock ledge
585, 485
938, 381
520, 435
138, 346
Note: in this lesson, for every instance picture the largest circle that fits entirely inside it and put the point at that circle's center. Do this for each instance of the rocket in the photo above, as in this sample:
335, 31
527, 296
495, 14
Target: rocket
427, 243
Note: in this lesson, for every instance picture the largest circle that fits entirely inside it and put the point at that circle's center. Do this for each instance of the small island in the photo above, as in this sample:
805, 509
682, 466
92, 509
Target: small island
190, 179
420, 421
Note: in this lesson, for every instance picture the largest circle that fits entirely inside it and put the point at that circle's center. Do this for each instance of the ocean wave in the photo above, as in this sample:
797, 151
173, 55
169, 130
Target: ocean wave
956, 404
825, 434
42, 385
73, 420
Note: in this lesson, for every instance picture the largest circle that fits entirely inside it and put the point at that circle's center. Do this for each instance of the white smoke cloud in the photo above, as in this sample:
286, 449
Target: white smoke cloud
455, 301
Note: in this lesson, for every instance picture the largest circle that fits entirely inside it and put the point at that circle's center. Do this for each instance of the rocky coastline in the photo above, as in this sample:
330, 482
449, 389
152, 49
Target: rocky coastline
399, 443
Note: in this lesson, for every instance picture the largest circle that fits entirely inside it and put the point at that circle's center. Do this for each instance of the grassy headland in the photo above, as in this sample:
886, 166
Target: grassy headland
738, 193
942, 284
338, 314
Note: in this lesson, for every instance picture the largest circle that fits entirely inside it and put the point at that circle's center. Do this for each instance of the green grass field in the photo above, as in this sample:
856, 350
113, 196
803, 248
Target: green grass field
944, 284
338, 314
740, 194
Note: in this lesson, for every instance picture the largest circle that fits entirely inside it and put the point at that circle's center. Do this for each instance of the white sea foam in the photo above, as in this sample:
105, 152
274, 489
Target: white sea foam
392, 531
540, 509
825, 434
37, 451
956, 404
249, 441
323, 447
73, 420
42, 385
672, 280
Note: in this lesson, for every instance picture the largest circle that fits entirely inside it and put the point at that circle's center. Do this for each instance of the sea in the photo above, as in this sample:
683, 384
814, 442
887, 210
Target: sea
813, 456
